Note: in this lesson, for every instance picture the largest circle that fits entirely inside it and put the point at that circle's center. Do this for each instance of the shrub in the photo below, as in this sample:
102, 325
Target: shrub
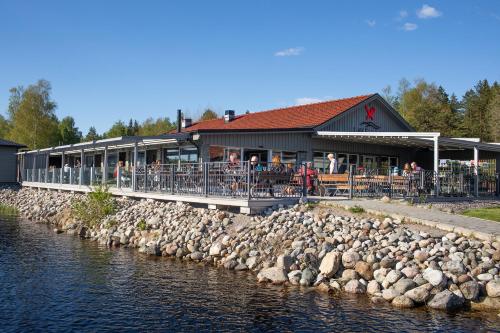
94, 207
356, 209
8, 210
142, 225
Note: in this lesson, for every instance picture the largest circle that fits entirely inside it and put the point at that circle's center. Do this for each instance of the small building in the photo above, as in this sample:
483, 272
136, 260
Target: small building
9, 169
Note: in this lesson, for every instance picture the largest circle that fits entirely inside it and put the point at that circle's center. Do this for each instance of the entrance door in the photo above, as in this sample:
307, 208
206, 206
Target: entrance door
369, 162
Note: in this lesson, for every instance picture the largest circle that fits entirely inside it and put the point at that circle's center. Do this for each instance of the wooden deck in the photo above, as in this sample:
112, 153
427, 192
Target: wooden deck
245, 206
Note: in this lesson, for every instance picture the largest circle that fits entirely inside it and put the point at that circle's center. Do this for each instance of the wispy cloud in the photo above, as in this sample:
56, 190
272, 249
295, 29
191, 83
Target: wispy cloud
371, 23
402, 14
409, 26
428, 12
307, 100
293, 51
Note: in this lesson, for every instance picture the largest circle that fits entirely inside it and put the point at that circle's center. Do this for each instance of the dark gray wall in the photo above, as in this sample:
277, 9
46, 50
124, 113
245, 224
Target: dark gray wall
8, 164
351, 120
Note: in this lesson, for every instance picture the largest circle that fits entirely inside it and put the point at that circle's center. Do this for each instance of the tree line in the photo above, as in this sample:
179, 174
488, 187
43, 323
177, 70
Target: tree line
31, 118
429, 108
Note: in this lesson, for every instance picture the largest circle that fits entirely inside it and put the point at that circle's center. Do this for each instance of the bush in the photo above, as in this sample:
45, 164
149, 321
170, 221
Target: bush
94, 207
142, 225
356, 209
8, 210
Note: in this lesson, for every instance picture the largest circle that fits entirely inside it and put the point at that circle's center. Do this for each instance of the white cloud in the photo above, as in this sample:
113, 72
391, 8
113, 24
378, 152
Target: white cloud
293, 51
402, 14
428, 12
409, 26
371, 23
307, 100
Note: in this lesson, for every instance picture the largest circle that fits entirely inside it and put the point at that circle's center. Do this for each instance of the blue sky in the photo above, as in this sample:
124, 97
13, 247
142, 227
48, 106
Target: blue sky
111, 60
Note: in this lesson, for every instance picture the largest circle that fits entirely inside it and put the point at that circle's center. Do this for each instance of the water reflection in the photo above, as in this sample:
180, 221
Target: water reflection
52, 282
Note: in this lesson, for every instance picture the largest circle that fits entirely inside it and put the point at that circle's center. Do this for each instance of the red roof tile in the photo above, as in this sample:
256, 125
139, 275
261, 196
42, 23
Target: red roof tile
295, 117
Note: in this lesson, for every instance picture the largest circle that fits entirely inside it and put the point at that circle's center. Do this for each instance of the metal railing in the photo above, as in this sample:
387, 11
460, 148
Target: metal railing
252, 180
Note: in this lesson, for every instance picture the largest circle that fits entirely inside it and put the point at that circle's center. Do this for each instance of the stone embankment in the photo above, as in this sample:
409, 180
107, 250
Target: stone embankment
331, 251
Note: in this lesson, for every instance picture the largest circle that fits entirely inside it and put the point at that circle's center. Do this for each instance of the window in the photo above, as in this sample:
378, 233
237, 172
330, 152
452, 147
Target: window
288, 158
189, 155
216, 153
170, 155
232, 151
319, 162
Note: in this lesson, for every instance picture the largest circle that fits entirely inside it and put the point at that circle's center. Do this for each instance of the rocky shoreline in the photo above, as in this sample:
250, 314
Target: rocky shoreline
298, 245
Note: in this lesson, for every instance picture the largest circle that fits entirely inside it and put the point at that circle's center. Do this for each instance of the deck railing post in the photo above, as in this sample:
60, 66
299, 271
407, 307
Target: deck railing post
351, 180
118, 176
304, 179
91, 176
53, 176
39, 175
390, 183
172, 179
145, 177
134, 169
248, 180
62, 169
205, 179
70, 176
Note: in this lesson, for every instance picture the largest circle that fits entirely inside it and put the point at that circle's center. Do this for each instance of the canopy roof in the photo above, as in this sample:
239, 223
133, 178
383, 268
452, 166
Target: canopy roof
409, 139
114, 143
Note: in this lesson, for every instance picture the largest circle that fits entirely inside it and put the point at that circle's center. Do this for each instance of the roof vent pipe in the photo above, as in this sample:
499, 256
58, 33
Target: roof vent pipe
228, 116
179, 116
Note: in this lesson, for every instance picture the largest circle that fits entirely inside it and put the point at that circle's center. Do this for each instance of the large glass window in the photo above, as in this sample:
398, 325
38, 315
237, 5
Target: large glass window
288, 158
170, 155
189, 155
216, 153
319, 162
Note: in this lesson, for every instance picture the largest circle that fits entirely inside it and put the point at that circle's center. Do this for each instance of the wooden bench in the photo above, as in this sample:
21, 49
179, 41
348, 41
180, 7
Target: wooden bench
333, 184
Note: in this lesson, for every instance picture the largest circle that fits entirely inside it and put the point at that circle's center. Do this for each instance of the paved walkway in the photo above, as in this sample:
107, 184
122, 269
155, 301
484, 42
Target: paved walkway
479, 228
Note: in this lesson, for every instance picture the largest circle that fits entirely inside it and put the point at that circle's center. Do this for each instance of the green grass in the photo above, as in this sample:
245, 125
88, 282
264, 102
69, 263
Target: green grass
8, 210
491, 213
356, 209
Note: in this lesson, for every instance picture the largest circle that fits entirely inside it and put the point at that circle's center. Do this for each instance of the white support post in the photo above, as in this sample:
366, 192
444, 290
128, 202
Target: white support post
105, 166
35, 157
436, 163
82, 155
476, 171
92, 175
269, 156
47, 167
134, 169
62, 169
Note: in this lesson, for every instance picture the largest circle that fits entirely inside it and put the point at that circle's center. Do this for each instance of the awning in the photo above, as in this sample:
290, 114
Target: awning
409, 139
113, 143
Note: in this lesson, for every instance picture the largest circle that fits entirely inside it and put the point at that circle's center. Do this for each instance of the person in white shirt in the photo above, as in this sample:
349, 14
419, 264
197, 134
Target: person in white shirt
333, 163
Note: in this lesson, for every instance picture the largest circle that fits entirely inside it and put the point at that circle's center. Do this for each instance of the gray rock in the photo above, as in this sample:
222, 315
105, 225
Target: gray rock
446, 300
355, 287
390, 294
330, 264
215, 249
307, 277
454, 267
485, 277
276, 275
284, 261
373, 287
349, 259
433, 276
470, 290
403, 285
420, 294
493, 288
403, 302
196, 255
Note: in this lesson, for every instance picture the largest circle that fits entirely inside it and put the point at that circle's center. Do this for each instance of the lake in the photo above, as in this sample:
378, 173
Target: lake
51, 282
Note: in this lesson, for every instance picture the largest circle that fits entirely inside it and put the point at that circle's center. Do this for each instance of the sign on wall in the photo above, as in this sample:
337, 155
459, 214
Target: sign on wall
369, 125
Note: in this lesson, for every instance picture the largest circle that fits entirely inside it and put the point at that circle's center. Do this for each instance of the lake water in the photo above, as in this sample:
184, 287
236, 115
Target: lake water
52, 282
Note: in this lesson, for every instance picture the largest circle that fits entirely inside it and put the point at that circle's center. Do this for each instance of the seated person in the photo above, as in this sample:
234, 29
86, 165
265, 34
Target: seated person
254, 163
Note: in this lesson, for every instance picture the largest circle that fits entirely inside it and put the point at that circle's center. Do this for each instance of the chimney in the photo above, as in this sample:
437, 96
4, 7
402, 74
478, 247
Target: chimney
179, 116
228, 116
186, 122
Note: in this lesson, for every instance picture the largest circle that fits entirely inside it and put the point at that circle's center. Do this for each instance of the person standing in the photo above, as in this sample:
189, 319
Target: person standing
333, 163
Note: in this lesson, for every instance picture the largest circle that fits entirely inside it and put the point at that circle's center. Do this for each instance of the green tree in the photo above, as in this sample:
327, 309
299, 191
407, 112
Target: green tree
494, 111
132, 128
155, 127
4, 127
33, 120
477, 117
208, 114
68, 132
118, 129
92, 135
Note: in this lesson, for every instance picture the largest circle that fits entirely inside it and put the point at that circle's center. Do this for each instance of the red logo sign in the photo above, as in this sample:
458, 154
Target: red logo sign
370, 112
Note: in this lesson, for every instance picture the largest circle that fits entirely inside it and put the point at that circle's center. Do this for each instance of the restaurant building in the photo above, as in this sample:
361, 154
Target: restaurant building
363, 133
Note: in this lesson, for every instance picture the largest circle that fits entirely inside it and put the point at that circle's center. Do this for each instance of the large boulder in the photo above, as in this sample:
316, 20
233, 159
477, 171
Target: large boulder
355, 287
403, 285
493, 288
390, 294
276, 275
307, 277
364, 269
373, 287
420, 294
349, 259
446, 300
284, 261
470, 290
215, 249
403, 302
330, 264
487, 303
433, 276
